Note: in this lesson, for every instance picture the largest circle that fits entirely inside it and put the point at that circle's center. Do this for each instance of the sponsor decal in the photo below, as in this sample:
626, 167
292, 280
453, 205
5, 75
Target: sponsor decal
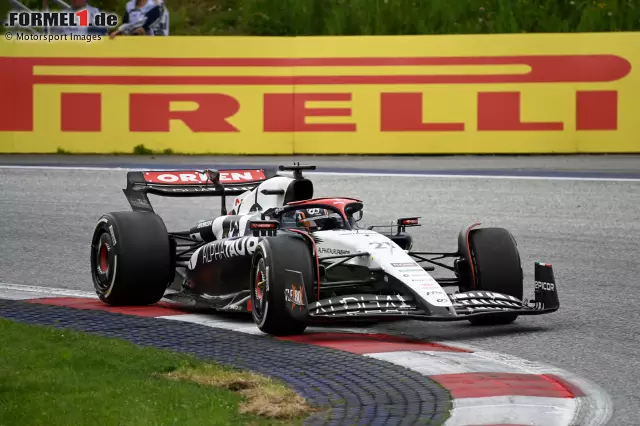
294, 295
542, 286
425, 283
208, 188
352, 305
429, 289
197, 178
137, 200
406, 265
380, 245
258, 225
206, 224
224, 249
415, 273
433, 293
113, 235
333, 251
364, 233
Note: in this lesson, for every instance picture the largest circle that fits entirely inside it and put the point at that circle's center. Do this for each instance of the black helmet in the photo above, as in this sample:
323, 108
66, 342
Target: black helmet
317, 219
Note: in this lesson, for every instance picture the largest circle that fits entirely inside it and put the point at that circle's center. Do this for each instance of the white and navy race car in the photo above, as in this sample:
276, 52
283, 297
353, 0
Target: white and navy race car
294, 260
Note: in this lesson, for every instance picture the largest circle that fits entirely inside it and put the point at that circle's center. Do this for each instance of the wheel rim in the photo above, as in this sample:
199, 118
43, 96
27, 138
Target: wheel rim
259, 291
104, 258
101, 262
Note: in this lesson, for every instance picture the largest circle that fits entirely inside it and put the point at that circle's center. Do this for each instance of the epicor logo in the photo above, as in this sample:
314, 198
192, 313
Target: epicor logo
80, 18
544, 286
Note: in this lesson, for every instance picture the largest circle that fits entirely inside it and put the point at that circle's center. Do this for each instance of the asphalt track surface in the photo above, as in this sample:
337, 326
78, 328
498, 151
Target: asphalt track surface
589, 230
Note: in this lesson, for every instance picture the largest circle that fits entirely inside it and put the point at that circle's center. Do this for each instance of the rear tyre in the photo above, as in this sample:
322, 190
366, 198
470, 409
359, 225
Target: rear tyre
130, 258
497, 267
268, 283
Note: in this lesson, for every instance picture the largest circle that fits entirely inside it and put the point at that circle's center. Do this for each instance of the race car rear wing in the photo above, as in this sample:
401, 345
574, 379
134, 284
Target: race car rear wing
191, 183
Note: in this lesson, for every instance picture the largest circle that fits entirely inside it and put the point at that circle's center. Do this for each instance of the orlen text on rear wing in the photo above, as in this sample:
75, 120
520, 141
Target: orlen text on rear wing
191, 183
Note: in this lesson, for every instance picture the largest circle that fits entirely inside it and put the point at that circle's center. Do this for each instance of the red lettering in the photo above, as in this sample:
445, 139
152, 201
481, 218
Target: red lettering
287, 112
597, 110
194, 177
16, 86
81, 112
500, 111
402, 112
594, 112
84, 17
151, 112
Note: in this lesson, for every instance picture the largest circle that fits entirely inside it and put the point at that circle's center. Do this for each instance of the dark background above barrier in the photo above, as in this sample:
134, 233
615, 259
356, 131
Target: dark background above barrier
389, 17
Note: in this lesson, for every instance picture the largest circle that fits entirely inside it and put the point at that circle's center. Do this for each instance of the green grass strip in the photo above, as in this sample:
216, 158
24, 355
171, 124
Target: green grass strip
52, 376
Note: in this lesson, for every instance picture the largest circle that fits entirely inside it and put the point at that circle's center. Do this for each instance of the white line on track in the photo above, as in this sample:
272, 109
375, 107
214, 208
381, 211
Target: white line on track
355, 174
20, 291
130, 169
452, 176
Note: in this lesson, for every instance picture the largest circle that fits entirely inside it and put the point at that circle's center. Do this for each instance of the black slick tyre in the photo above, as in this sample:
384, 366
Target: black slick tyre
130, 258
268, 285
497, 268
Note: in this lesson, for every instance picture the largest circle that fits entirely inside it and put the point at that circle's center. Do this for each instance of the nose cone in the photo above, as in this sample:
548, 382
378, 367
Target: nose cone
415, 278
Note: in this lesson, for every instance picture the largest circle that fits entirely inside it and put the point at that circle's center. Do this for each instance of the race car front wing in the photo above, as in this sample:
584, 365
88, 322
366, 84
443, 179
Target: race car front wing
464, 304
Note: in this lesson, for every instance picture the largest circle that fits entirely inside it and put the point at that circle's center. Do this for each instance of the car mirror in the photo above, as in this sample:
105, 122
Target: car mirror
358, 216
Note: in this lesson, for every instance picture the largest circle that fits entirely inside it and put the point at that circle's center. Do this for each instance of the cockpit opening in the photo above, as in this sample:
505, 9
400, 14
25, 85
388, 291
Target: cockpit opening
322, 216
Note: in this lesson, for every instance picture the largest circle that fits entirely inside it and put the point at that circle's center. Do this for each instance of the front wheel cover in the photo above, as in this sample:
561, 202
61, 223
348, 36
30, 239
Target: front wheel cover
269, 309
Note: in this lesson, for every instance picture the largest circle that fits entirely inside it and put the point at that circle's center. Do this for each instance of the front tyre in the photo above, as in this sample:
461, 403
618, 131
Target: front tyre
497, 268
130, 258
268, 286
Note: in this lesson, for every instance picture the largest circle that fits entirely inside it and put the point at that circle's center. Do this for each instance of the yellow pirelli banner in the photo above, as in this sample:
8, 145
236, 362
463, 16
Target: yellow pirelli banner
538, 93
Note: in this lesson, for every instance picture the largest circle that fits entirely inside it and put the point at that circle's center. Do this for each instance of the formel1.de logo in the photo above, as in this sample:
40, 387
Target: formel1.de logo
51, 19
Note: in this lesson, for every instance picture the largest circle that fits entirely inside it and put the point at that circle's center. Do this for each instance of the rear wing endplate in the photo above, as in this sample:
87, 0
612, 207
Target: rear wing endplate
191, 183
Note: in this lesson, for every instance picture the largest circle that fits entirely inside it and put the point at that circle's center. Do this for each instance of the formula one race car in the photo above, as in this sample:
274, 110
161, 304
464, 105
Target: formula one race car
294, 260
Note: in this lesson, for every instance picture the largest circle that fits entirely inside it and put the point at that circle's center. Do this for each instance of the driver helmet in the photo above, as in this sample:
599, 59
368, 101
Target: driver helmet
316, 219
